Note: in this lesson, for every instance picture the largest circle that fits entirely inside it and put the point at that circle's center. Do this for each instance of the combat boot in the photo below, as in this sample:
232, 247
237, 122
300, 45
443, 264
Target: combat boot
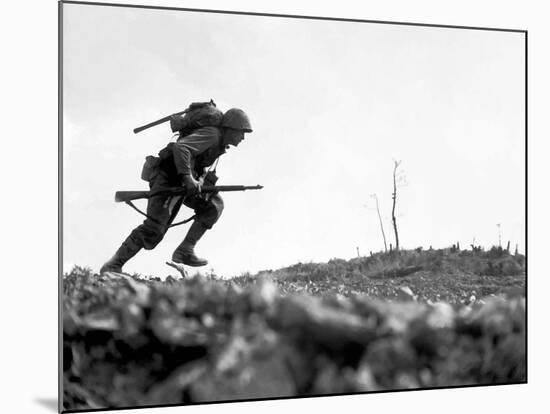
185, 252
125, 252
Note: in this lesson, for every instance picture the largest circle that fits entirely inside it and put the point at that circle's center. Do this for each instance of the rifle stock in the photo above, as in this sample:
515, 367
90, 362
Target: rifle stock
121, 196
124, 196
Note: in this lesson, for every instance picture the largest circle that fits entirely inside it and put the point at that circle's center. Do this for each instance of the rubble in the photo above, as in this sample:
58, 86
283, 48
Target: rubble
130, 341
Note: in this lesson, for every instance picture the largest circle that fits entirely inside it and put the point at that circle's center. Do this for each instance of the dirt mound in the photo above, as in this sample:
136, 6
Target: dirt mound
134, 342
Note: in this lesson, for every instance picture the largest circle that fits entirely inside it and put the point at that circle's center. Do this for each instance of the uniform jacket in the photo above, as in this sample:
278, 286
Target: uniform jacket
192, 154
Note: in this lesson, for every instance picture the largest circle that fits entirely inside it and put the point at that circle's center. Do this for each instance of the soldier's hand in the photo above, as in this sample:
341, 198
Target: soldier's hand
191, 185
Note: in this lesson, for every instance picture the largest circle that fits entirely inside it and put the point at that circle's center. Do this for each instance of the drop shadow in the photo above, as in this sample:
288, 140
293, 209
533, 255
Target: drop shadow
49, 403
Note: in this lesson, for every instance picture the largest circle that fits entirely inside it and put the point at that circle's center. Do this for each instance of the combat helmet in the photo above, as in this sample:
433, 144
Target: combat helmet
237, 119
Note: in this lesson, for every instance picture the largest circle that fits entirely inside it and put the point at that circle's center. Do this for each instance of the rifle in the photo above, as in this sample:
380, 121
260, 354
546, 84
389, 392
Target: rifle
126, 196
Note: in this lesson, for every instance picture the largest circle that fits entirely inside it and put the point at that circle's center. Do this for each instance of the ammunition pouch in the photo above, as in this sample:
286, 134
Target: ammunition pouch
151, 168
210, 178
166, 152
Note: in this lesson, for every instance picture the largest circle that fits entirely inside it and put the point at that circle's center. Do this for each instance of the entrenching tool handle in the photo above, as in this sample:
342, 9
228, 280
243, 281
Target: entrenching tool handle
157, 122
152, 124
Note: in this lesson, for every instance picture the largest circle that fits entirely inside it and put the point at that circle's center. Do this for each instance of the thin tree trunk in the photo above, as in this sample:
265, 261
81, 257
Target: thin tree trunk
381, 225
394, 196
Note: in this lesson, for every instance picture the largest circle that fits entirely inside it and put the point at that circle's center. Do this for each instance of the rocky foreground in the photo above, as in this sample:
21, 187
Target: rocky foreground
134, 342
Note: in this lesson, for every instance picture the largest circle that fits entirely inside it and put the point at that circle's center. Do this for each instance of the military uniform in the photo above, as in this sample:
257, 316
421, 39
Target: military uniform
191, 155
182, 163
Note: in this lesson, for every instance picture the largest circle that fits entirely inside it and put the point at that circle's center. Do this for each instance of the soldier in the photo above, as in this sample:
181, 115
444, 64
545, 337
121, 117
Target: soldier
184, 162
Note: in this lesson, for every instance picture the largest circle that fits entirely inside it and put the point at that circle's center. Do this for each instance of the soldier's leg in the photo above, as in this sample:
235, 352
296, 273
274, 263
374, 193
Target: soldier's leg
161, 211
207, 213
128, 249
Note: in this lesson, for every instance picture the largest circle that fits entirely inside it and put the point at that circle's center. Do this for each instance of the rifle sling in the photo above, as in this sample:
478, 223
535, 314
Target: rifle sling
183, 221
156, 221
141, 212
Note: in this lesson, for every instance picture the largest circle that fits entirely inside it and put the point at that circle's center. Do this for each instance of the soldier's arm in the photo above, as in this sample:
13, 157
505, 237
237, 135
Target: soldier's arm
188, 147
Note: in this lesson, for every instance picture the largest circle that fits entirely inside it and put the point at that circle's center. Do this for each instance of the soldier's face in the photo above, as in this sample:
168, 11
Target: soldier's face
233, 136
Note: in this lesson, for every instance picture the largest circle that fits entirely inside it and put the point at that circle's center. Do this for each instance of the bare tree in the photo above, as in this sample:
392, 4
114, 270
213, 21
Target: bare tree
394, 197
380, 220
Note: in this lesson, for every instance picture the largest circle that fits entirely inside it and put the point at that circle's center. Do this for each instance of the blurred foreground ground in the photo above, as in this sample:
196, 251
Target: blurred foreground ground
414, 320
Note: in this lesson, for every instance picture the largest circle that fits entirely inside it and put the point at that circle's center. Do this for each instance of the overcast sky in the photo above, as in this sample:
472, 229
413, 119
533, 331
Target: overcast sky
332, 105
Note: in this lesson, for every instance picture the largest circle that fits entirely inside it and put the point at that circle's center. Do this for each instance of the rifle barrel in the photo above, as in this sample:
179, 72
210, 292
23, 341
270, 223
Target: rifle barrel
216, 188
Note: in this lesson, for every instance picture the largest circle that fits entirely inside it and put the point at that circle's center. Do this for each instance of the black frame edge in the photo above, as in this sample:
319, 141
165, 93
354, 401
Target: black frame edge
242, 13
60, 207
60, 194
526, 213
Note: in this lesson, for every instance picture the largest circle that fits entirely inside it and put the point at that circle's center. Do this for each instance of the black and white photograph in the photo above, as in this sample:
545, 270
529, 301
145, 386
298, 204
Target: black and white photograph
260, 206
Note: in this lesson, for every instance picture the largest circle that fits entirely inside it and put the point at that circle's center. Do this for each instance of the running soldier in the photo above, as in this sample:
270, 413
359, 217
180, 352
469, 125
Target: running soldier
184, 162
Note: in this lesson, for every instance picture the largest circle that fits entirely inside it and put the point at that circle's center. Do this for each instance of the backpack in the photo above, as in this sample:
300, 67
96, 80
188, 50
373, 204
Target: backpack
197, 115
